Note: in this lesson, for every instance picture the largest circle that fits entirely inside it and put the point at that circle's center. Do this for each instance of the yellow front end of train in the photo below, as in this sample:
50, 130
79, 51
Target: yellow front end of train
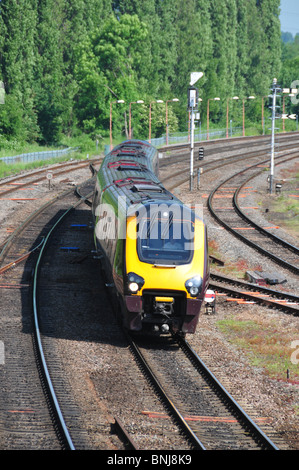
166, 274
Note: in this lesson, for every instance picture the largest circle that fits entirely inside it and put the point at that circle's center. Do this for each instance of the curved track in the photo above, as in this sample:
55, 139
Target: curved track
237, 153
27, 413
30, 396
219, 434
25, 181
234, 220
224, 203
16, 183
56, 410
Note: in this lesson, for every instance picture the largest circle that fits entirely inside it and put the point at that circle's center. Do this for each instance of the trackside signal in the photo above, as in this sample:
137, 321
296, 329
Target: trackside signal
200, 153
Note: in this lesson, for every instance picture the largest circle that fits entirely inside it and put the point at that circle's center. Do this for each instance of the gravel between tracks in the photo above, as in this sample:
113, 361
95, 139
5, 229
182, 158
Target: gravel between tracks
260, 395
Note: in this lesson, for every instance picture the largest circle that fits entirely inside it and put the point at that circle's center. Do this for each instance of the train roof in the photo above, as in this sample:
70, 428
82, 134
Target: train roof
128, 170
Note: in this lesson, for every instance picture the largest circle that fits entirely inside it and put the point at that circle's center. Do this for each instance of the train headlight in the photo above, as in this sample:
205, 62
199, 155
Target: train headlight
135, 282
133, 287
194, 286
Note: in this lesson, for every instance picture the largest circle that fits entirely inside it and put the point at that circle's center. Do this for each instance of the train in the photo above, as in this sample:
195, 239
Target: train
154, 248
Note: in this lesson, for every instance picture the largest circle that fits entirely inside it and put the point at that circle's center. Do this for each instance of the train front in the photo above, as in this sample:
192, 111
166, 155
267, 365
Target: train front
167, 268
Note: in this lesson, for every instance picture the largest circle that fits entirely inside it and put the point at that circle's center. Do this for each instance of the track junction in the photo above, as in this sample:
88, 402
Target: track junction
47, 266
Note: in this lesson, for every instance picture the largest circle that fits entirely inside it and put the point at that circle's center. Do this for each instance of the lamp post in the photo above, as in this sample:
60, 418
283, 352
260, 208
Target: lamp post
150, 118
113, 102
130, 115
208, 114
275, 90
249, 98
192, 106
168, 101
233, 98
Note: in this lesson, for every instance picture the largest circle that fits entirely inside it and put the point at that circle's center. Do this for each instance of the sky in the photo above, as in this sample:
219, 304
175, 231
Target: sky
289, 16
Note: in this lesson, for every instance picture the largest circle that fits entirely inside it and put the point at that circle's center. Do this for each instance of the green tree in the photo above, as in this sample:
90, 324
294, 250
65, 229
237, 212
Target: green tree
242, 44
264, 45
166, 12
106, 70
231, 52
62, 26
217, 73
271, 51
194, 49
12, 130
289, 78
287, 37
49, 71
18, 22
63, 62
149, 78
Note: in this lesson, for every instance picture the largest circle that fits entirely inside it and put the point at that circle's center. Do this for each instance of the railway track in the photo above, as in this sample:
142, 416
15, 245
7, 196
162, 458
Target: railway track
251, 293
234, 144
206, 438
224, 205
61, 426
19, 182
205, 412
30, 416
27, 182
71, 424
178, 164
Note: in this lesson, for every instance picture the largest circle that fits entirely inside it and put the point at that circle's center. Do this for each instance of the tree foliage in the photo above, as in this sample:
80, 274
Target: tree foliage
63, 63
289, 75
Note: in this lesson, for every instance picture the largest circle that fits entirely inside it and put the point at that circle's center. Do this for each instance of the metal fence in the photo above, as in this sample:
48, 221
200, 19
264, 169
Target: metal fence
198, 136
36, 156
183, 137
156, 142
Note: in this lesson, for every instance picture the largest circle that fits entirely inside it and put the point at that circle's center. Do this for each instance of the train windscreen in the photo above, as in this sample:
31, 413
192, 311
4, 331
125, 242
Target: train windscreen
167, 242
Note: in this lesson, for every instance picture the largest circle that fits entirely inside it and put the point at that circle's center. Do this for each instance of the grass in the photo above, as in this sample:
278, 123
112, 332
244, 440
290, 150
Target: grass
236, 268
266, 344
83, 146
22, 148
286, 205
16, 168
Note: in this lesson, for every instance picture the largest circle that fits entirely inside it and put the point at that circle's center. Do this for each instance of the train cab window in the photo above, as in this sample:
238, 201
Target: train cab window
171, 246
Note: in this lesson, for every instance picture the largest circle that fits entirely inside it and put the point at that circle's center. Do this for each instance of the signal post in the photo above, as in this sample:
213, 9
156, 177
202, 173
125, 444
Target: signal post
192, 107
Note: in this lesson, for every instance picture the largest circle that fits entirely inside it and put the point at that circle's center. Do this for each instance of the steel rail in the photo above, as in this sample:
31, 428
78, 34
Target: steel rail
241, 139
6, 244
249, 285
251, 297
171, 406
22, 258
120, 430
46, 373
221, 162
59, 169
241, 414
241, 237
275, 238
